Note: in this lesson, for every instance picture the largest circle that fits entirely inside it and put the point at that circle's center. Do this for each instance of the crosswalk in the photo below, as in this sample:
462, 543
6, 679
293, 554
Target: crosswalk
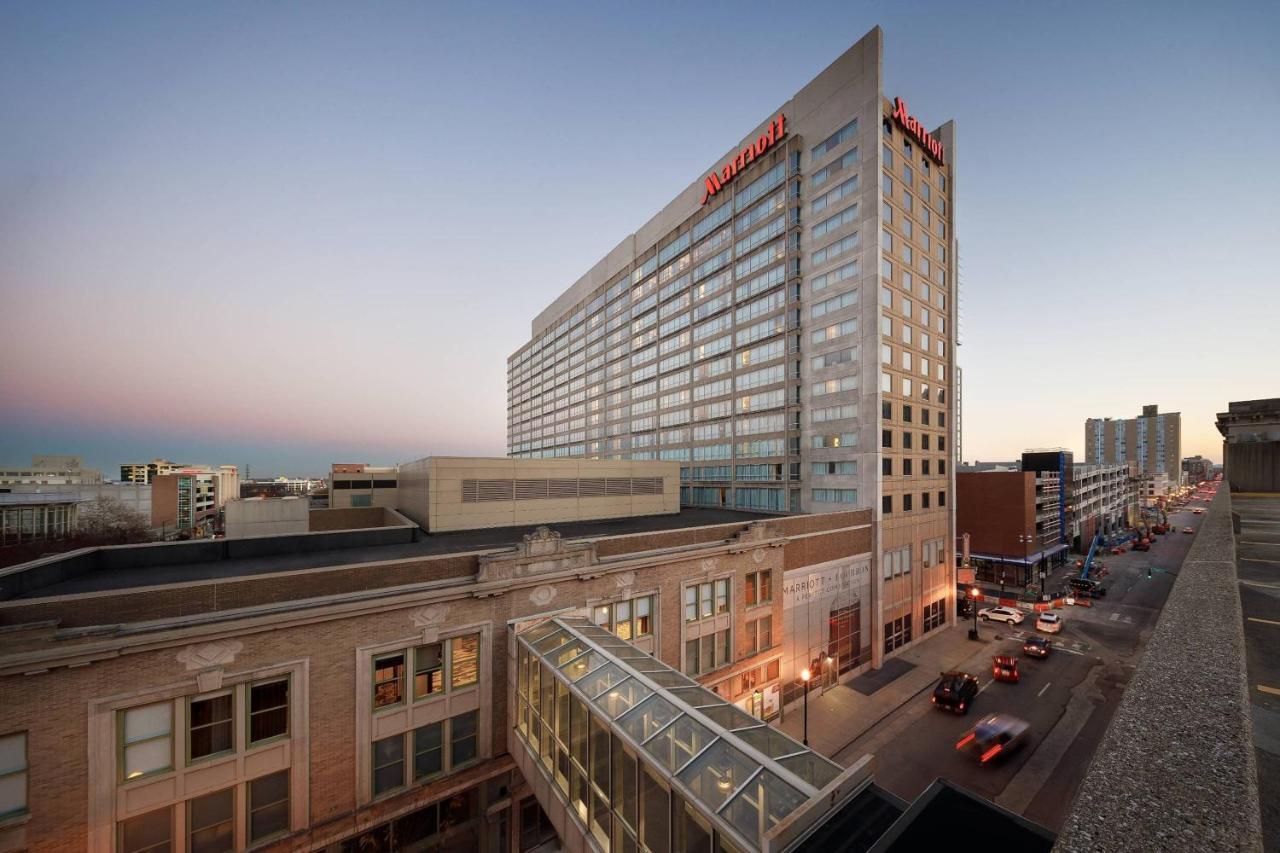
1071, 647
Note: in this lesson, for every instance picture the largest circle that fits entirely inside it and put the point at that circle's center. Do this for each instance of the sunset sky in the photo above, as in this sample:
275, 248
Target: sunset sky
287, 235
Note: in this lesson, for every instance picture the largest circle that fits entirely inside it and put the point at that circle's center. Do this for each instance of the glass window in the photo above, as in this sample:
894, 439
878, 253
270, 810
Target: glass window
210, 726
211, 823
622, 620
464, 657
388, 764
691, 604
679, 742
13, 774
269, 805
722, 595
655, 812
463, 738
388, 680
705, 602
268, 710
644, 608
147, 739
428, 750
148, 833
764, 802
428, 670
717, 772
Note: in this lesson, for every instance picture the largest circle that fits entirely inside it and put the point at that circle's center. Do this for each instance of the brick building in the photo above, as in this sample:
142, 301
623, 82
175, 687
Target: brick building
352, 689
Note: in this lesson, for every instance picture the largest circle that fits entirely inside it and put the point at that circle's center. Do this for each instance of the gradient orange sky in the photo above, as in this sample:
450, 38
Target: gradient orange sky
249, 233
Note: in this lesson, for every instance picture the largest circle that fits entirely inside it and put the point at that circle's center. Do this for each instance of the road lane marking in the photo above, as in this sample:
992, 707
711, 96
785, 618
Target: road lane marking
1043, 689
1263, 585
1273, 690
1263, 621
1257, 560
1071, 651
1115, 616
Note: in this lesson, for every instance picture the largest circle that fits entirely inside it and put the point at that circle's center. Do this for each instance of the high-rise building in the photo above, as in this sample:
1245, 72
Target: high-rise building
1152, 440
143, 472
783, 328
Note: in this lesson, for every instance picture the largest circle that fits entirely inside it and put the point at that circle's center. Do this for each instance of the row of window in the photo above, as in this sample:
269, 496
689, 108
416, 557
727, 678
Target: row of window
908, 502
210, 820
907, 468
907, 441
908, 415
438, 668
424, 753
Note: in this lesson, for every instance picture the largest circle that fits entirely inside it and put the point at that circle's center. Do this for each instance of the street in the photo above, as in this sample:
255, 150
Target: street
1068, 698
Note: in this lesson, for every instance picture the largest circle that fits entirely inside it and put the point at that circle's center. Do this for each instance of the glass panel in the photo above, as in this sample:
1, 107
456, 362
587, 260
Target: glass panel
814, 769
211, 726
428, 670
388, 680
388, 764
769, 740
599, 755
578, 730
147, 757
537, 632
678, 742
147, 722
730, 716
655, 812
625, 796
463, 733
650, 665
209, 823
622, 697
428, 753
552, 641
643, 608
717, 772
268, 710
268, 805
623, 840
697, 697
762, 803
648, 717
464, 656
622, 619
559, 657
601, 680
151, 832
693, 832
583, 664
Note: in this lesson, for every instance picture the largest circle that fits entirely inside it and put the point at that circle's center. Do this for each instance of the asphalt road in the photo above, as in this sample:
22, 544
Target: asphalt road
1068, 698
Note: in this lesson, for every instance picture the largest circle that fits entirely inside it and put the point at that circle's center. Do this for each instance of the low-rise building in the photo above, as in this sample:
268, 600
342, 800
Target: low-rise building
50, 470
358, 484
1196, 469
382, 688
1104, 500
185, 501
32, 516
143, 472
1012, 520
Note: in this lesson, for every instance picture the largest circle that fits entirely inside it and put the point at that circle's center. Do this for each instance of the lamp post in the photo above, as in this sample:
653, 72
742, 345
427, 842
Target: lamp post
973, 606
805, 675
1026, 540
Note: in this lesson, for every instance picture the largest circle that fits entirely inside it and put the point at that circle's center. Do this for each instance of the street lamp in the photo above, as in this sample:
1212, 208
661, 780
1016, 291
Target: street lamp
805, 675
973, 605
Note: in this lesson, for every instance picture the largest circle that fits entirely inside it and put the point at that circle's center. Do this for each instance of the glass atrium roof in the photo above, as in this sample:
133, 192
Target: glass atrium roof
742, 774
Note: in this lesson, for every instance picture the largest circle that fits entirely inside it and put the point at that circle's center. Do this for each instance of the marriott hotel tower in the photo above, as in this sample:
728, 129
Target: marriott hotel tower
785, 329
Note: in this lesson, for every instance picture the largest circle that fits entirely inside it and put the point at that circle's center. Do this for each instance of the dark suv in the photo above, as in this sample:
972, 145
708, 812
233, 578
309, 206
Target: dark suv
955, 691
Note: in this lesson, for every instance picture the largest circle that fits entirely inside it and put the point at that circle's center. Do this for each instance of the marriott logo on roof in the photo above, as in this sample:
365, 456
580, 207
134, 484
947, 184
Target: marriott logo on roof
912, 126
720, 178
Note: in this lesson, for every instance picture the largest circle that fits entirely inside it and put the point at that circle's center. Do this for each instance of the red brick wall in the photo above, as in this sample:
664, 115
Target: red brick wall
994, 507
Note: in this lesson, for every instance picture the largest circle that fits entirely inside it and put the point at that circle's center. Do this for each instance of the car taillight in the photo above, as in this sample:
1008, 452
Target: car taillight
964, 740
990, 753
933, 699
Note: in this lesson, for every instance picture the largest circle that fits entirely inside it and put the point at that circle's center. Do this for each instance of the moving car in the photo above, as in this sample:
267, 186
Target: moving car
993, 736
1005, 668
955, 692
1197, 511
1188, 530
1037, 647
1001, 614
1049, 623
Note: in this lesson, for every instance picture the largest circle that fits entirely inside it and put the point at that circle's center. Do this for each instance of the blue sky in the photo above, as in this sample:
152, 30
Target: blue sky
277, 234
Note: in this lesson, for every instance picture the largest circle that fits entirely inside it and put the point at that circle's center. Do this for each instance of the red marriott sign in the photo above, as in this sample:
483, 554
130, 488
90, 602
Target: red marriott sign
719, 179
916, 129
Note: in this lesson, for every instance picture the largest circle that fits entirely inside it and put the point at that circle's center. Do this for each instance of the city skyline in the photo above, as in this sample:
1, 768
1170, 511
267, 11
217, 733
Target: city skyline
255, 256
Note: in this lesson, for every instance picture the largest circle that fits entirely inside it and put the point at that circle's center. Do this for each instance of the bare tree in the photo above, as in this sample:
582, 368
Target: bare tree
109, 521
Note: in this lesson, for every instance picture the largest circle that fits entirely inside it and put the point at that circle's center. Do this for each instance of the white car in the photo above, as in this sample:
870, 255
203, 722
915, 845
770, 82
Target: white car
1049, 623
1001, 614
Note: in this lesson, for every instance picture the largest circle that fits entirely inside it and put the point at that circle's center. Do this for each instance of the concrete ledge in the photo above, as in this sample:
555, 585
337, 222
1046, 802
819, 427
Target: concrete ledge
1176, 769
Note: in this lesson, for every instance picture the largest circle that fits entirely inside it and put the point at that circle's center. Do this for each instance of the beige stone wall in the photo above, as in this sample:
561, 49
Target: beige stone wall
446, 509
266, 517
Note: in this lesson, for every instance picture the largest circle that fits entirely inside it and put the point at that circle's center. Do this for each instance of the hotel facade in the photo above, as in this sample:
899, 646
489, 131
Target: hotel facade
784, 329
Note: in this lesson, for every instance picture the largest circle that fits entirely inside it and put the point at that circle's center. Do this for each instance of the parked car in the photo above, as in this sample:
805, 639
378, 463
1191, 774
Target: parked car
1007, 615
955, 692
1198, 511
1037, 647
1049, 623
993, 736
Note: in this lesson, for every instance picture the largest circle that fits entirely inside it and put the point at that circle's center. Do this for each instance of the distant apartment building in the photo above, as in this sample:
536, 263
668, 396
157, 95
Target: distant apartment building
1196, 469
1152, 440
1104, 500
50, 470
185, 500
355, 484
1251, 445
1012, 519
143, 472
279, 487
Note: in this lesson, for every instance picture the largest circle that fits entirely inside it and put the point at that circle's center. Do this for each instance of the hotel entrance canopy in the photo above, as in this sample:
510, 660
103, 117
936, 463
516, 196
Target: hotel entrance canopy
639, 755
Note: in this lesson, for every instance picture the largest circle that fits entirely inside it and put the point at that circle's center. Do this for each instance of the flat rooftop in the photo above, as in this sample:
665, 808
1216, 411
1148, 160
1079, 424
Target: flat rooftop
159, 564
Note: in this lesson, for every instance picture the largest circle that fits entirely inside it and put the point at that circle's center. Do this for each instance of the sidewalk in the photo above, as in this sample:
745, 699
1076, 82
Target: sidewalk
841, 715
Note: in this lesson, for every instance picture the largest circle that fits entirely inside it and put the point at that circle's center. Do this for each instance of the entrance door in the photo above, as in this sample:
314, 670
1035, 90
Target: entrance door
844, 636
